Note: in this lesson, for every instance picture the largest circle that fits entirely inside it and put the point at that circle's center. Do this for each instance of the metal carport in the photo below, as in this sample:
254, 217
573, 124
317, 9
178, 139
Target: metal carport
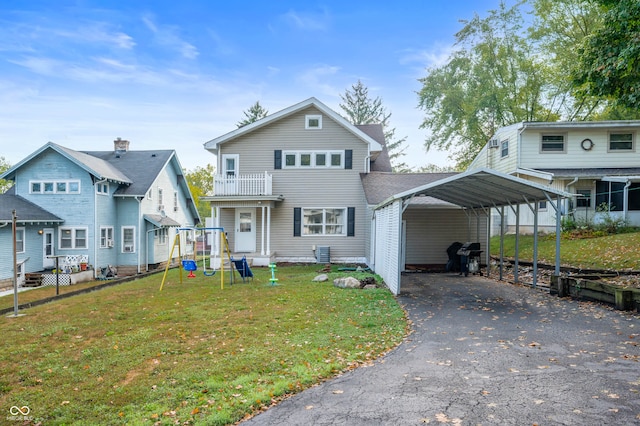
476, 191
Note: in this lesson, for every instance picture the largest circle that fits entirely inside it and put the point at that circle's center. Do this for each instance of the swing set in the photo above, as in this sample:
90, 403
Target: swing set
191, 265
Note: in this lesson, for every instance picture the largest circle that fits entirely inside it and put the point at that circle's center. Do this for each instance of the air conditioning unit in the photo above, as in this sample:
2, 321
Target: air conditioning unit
109, 243
160, 207
128, 249
493, 143
323, 254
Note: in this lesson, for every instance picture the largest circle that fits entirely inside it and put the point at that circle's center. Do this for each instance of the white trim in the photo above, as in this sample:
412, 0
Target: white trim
213, 144
308, 119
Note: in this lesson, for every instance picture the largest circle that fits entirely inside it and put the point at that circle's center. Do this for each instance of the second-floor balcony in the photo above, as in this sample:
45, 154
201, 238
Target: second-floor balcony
253, 184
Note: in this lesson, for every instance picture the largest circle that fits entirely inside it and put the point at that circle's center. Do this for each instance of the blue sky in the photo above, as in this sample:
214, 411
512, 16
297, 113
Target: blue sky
175, 74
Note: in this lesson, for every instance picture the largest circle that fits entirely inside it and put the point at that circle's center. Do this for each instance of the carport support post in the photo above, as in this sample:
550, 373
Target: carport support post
558, 220
516, 264
488, 251
535, 244
501, 242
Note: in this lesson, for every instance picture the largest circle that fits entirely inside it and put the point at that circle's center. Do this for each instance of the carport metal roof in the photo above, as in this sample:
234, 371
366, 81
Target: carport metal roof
483, 189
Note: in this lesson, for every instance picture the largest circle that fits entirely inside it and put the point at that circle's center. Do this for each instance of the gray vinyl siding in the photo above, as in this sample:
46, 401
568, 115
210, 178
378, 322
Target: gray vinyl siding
305, 188
430, 231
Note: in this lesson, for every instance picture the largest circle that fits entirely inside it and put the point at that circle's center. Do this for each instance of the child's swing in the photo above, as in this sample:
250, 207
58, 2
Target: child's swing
191, 264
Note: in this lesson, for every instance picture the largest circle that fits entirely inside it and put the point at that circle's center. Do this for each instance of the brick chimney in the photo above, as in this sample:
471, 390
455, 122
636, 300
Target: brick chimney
120, 146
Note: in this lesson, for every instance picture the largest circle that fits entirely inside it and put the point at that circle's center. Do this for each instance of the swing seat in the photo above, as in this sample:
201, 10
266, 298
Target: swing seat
242, 267
190, 265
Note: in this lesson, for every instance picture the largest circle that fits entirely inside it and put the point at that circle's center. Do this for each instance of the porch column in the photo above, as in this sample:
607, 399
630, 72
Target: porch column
268, 230
262, 212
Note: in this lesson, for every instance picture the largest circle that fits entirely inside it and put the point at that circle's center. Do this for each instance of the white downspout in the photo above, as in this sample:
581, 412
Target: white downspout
626, 199
566, 201
96, 227
367, 163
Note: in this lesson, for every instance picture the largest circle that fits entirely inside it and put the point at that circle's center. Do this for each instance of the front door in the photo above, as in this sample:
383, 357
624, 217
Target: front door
230, 173
47, 249
245, 231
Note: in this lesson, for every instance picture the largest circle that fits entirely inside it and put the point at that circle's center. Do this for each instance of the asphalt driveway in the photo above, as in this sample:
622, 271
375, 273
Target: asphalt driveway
486, 353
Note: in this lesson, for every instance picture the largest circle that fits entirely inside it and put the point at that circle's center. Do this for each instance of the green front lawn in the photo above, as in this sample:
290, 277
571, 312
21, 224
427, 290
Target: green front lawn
611, 252
193, 353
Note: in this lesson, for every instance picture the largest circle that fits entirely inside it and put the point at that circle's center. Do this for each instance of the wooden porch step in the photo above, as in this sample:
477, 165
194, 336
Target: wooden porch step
32, 280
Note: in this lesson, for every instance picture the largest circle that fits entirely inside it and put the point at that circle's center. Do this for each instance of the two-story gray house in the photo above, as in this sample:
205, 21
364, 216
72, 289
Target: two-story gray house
120, 208
288, 186
305, 185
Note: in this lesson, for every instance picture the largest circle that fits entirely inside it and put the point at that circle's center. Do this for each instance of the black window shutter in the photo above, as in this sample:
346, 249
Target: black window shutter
348, 158
351, 221
277, 159
297, 221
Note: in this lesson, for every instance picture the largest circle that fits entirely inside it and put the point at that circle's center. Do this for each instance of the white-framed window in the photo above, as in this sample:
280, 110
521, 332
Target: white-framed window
20, 244
72, 237
54, 187
553, 143
150, 194
313, 121
160, 199
621, 142
106, 236
175, 201
584, 200
504, 148
542, 206
332, 221
160, 235
313, 159
102, 188
128, 239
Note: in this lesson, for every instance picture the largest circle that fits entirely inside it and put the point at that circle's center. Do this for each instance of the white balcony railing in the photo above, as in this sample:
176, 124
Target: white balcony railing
245, 184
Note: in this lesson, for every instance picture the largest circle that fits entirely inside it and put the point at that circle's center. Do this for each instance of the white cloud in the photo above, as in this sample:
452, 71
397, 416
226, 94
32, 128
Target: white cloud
307, 21
318, 80
436, 56
167, 36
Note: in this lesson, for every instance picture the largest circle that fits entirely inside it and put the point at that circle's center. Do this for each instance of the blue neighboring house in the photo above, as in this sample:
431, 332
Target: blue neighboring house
121, 208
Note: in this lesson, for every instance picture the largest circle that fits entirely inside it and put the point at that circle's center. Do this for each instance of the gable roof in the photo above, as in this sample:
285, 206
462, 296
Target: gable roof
374, 145
380, 161
379, 186
26, 211
142, 167
134, 171
95, 166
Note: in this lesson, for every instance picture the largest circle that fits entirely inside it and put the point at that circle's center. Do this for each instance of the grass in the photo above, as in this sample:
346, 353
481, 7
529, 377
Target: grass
620, 252
193, 353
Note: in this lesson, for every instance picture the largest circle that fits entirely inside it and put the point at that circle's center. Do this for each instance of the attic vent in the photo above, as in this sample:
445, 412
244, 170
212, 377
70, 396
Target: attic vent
153, 155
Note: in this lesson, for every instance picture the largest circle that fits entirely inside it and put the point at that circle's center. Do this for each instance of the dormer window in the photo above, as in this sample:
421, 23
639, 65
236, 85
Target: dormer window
313, 122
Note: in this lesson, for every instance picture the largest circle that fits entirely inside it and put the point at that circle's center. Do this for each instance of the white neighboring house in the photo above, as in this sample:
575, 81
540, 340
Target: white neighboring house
597, 161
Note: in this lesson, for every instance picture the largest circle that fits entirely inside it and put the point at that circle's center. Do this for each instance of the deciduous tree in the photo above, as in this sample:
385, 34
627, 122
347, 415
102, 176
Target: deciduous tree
609, 65
4, 184
492, 79
200, 181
